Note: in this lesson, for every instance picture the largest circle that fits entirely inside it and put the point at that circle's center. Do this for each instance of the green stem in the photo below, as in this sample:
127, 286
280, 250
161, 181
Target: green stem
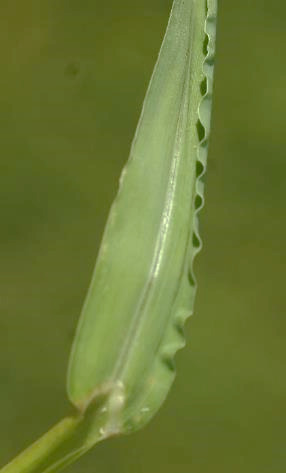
60, 446
36, 457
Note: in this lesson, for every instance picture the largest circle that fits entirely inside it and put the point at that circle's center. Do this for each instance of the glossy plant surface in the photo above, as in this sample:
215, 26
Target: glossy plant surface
143, 286
73, 78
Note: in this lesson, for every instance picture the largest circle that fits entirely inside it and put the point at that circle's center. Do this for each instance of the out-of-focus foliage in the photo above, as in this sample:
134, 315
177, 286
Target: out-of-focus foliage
72, 81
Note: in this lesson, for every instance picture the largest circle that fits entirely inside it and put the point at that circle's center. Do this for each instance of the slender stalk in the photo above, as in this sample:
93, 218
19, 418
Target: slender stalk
61, 445
47, 450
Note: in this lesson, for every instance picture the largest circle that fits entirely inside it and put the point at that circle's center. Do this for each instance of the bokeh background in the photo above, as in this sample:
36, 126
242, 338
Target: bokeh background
73, 77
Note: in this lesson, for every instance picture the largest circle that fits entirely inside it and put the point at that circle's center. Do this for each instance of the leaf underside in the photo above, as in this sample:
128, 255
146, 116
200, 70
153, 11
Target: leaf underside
143, 287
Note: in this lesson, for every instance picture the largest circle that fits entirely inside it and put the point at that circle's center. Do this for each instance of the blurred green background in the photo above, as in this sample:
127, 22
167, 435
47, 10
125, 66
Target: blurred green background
73, 77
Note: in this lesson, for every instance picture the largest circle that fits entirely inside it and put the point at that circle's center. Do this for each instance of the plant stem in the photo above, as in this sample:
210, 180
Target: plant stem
60, 446
36, 456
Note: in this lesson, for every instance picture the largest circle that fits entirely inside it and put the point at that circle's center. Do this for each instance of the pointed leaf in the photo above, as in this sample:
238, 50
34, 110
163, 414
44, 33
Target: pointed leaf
143, 287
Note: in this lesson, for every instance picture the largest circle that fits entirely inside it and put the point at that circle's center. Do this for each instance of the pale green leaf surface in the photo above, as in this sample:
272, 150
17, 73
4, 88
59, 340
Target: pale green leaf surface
143, 288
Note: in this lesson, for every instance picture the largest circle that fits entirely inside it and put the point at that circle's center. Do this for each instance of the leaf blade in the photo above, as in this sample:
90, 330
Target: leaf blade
142, 289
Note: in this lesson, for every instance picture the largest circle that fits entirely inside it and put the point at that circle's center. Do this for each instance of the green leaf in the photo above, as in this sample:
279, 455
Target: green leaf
143, 286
